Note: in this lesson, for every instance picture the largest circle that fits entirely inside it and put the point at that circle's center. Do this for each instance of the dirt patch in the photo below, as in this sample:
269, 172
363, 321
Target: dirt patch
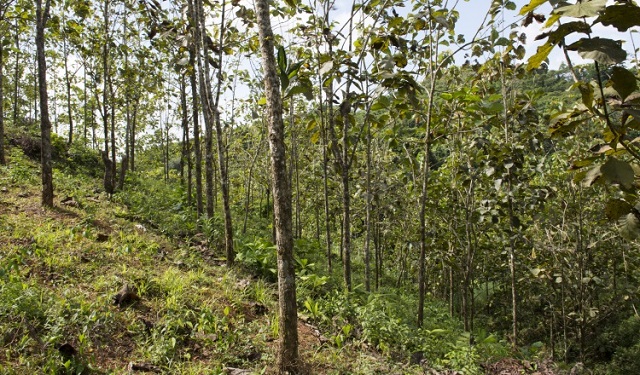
511, 366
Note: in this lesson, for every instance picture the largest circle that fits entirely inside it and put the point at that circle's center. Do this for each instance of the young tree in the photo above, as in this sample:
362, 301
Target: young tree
288, 353
4, 28
42, 15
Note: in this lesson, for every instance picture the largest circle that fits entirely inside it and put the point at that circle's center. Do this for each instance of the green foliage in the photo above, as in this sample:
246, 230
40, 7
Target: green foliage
260, 256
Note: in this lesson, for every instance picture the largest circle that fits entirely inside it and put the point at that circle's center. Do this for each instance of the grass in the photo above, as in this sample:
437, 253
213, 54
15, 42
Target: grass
61, 267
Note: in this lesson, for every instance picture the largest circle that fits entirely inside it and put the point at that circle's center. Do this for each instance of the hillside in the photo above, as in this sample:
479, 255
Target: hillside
64, 308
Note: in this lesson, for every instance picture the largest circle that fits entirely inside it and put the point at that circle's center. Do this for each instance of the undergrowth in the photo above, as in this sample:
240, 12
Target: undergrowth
60, 269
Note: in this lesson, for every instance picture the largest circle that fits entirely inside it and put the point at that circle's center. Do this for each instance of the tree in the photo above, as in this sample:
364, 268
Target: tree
42, 16
4, 28
288, 361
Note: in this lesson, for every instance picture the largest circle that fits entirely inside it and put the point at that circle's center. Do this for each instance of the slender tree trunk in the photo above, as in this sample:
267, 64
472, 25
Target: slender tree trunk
196, 131
367, 240
186, 143
35, 85
132, 136
65, 50
109, 174
114, 165
512, 229
248, 188
124, 164
16, 76
206, 101
84, 99
345, 110
222, 164
325, 190
423, 216
288, 362
2, 157
42, 16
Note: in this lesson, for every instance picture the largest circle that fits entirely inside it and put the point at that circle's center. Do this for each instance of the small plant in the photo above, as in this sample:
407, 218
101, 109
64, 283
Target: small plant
313, 308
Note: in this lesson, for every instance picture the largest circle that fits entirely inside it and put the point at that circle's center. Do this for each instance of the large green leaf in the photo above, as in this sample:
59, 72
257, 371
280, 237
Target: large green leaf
624, 82
583, 8
621, 16
531, 6
556, 36
586, 90
616, 208
541, 55
618, 172
602, 50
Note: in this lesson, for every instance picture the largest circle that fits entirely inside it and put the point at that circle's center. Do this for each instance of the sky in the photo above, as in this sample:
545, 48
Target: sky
472, 13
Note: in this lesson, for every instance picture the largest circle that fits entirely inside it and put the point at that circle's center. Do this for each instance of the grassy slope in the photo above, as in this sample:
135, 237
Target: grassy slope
61, 267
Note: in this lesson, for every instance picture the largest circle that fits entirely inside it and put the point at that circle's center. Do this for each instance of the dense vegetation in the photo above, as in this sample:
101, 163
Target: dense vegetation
477, 216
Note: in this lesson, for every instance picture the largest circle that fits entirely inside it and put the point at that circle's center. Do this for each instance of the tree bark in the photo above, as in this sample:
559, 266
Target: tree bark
2, 157
42, 16
196, 125
16, 76
203, 69
345, 110
222, 164
65, 51
288, 361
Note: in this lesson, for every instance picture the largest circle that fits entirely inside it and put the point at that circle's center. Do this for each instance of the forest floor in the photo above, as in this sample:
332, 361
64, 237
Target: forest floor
87, 288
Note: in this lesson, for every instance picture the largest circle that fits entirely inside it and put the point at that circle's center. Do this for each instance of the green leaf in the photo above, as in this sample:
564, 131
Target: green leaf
262, 101
284, 81
565, 29
292, 3
624, 82
587, 94
602, 50
282, 59
584, 8
531, 6
618, 172
616, 208
306, 90
541, 55
383, 102
621, 16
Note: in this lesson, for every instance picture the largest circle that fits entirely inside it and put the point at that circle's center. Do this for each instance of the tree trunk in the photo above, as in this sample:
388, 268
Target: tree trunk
423, 220
367, 240
16, 76
196, 129
222, 164
325, 189
42, 15
84, 99
345, 111
248, 188
65, 50
288, 361
2, 157
203, 71
186, 143
109, 163
132, 135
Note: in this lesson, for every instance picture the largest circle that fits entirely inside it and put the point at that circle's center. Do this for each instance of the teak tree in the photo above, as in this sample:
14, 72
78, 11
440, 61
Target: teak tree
42, 16
288, 361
